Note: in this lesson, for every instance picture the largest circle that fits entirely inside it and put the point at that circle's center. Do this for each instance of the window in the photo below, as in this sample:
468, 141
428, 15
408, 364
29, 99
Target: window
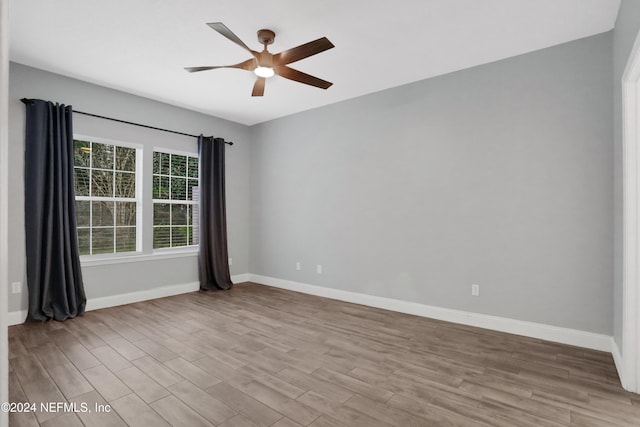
175, 200
106, 197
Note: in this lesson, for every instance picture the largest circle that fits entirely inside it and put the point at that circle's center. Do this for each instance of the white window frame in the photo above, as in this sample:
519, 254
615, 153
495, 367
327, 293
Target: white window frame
139, 172
188, 249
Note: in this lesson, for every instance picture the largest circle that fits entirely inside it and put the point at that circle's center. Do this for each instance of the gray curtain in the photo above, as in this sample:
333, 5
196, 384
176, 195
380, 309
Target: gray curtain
213, 265
54, 278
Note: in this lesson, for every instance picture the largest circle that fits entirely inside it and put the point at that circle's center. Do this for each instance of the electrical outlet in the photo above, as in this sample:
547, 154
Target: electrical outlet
475, 290
16, 287
230, 261
298, 267
319, 269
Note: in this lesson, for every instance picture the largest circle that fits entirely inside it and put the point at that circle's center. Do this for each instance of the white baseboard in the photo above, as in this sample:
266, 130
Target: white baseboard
17, 317
131, 297
502, 324
617, 359
241, 278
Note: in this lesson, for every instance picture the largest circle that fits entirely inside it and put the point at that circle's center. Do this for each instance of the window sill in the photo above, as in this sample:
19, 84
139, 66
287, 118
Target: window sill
94, 260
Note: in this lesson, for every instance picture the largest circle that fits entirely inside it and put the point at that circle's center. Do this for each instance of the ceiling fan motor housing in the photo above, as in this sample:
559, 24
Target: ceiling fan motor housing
265, 59
266, 36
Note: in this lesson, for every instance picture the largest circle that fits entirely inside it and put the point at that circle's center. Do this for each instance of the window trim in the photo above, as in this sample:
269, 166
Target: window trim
139, 172
126, 257
175, 152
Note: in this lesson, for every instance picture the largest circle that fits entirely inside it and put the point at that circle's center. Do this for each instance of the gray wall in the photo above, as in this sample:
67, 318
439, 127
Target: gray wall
108, 280
500, 175
624, 35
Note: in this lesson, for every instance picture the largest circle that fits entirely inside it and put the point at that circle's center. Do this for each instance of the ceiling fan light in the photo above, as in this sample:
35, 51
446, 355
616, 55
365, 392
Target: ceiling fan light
264, 72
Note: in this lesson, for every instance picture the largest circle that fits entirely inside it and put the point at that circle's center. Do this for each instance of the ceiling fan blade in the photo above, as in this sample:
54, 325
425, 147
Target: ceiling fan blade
196, 69
299, 76
303, 51
222, 29
258, 87
249, 65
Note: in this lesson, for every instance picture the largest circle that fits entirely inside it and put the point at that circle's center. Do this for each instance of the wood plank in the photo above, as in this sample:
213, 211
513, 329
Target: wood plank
353, 384
110, 358
142, 384
107, 417
384, 413
136, 413
106, 383
191, 372
36, 384
342, 413
293, 409
69, 380
435, 415
16, 394
325, 421
156, 350
223, 371
157, 371
206, 405
50, 356
529, 406
286, 422
178, 414
239, 421
256, 411
64, 420
80, 356
126, 349
288, 389
308, 382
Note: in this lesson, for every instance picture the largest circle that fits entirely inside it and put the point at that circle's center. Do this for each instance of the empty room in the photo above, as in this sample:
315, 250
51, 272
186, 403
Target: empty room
243, 213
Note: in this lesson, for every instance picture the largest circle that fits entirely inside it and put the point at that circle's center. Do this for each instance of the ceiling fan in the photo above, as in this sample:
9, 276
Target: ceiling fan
265, 64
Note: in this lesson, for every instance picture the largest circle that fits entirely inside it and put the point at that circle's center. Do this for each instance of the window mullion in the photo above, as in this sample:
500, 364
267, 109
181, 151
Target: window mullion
113, 192
90, 195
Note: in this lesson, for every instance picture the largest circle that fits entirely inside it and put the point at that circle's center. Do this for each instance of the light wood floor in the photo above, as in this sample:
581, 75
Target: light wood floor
258, 356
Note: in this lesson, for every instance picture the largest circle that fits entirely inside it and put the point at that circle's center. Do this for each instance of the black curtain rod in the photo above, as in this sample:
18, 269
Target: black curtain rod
26, 101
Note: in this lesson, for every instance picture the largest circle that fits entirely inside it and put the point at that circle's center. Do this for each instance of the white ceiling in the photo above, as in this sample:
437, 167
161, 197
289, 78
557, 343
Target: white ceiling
141, 46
